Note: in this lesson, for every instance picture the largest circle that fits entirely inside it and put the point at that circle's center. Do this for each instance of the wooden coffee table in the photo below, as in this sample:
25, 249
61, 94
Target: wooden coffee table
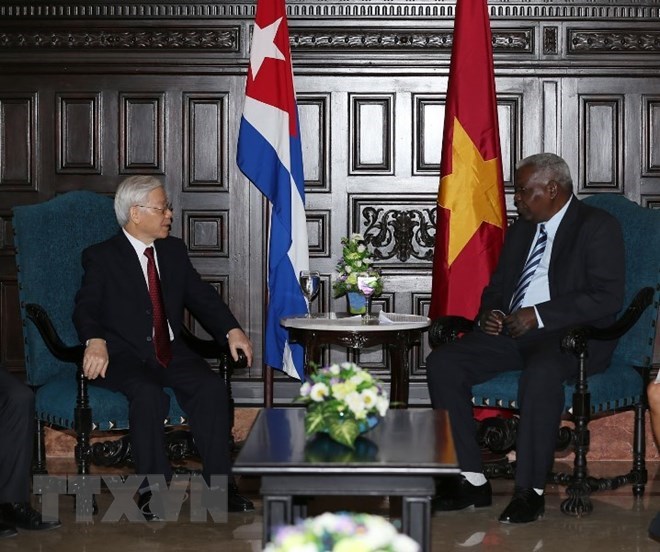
401, 456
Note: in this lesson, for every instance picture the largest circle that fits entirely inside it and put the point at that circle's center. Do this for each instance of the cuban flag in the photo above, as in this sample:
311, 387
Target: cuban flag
270, 155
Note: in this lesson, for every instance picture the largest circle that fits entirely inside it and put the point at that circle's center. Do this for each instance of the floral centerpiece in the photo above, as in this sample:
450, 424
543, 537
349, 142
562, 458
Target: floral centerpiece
356, 270
342, 532
342, 400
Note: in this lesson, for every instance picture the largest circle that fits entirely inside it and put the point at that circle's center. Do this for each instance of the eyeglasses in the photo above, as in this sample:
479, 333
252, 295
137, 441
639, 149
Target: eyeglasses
162, 210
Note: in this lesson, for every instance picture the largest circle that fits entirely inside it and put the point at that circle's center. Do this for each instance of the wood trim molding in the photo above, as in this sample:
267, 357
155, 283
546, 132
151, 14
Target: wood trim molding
361, 9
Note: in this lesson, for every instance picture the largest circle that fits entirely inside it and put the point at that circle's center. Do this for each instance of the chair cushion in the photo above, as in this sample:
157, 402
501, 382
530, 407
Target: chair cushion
618, 387
55, 403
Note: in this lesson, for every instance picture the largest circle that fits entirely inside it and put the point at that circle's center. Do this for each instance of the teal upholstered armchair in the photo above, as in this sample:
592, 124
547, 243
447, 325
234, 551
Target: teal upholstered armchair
49, 239
620, 387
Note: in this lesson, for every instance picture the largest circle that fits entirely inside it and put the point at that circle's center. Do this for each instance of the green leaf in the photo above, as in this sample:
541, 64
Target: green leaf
344, 431
315, 420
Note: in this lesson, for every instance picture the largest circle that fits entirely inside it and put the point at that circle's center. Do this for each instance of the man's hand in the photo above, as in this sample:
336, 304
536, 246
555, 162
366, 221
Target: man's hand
520, 322
95, 361
238, 340
491, 322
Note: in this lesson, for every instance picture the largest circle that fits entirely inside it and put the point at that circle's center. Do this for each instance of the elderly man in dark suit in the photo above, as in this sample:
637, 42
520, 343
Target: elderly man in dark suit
562, 264
129, 313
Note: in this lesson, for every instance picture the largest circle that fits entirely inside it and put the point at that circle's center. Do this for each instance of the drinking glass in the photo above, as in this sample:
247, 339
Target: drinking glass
364, 283
310, 281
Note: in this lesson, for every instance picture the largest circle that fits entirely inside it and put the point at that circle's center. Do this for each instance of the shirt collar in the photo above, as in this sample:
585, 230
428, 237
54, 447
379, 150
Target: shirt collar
137, 244
554, 222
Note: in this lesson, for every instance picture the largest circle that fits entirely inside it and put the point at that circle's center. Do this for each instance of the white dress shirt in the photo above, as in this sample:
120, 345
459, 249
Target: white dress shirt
539, 287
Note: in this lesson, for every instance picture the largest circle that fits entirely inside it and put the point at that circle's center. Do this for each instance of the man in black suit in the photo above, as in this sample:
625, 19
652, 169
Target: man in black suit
17, 430
129, 313
562, 264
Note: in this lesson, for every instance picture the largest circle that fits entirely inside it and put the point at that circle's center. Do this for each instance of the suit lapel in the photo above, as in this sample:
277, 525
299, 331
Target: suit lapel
565, 233
130, 262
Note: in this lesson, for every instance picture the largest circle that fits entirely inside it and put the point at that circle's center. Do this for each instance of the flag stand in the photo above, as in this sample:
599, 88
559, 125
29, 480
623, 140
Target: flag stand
269, 382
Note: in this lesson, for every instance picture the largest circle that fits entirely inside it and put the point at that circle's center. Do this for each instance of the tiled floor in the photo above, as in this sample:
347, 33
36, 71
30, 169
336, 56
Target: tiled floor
618, 523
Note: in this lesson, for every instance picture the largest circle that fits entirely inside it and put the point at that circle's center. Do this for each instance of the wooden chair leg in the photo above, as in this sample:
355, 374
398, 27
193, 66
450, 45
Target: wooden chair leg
225, 374
639, 473
39, 454
83, 426
578, 502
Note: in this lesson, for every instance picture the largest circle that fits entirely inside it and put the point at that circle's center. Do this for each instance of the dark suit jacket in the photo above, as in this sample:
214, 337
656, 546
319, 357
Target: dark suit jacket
586, 274
113, 301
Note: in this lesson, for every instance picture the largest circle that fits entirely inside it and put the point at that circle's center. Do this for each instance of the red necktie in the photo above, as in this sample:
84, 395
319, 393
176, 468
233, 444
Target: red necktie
161, 332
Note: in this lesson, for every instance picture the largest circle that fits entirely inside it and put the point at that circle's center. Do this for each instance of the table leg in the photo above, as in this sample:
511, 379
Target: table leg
399, 378
278, 511
312, 353
416, 520
299, 509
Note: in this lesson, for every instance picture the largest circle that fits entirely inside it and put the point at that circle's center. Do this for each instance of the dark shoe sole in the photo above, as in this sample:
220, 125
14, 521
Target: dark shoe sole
509, 522
448, 507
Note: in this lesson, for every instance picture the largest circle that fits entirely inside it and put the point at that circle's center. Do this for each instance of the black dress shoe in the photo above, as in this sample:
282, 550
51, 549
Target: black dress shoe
146, 504
236, 502
7, 531
24, 516
525, 506
458, 494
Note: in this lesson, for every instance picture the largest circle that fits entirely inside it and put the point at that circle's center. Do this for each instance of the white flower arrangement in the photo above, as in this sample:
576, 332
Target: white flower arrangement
356, 270
342, 532
342, 400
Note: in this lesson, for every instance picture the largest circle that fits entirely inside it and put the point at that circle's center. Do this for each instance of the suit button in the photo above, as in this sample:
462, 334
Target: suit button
149, 339
148, 311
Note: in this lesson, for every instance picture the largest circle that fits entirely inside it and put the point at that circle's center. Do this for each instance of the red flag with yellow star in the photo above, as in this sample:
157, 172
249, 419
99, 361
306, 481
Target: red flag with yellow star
471, 214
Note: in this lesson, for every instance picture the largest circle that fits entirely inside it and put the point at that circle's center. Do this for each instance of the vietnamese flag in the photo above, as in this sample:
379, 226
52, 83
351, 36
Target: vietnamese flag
471, 214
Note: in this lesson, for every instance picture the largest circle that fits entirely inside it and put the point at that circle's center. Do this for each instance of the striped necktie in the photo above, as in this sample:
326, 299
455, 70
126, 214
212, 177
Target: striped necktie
161, 332
528, 271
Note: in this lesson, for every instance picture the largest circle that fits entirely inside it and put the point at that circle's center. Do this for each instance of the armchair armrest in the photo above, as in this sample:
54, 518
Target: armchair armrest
445, 329
209, 348
49, 334
575, 339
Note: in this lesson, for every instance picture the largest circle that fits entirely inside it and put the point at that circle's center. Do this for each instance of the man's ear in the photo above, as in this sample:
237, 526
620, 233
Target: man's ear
134, 214
553, 189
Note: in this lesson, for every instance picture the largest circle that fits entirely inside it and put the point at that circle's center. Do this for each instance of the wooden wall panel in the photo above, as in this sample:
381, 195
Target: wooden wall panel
372, 134
206, 233
651, 135
18, 135
428, 129
78, 134
314, 117
205, 142
142, 133
509, 115
318, 232
601, 119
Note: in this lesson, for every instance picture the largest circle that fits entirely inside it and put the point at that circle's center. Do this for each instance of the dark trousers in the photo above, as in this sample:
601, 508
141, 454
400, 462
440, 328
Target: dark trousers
201, 393
17, 431
477, 357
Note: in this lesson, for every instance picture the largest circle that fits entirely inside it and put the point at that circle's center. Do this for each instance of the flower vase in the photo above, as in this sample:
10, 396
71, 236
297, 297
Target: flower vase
357, 302
368, 423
